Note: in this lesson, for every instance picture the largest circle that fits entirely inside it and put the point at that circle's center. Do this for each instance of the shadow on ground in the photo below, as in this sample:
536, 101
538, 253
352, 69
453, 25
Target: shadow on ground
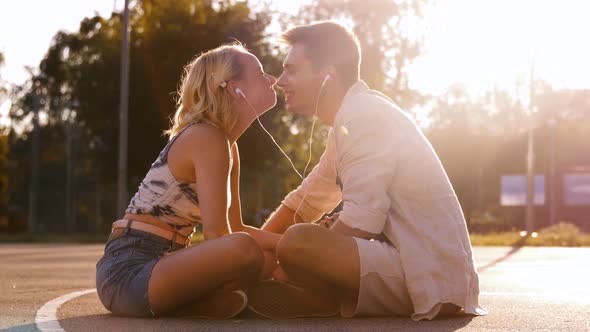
513, 250
108, 322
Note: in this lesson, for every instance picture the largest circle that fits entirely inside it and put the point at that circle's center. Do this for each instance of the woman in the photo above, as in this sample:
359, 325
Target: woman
148, 269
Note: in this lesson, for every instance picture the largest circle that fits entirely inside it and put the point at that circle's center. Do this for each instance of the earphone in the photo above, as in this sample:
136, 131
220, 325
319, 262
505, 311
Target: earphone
326, 79
239, 92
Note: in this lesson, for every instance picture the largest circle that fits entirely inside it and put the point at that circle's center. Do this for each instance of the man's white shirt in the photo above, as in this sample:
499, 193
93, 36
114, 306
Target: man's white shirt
391, 182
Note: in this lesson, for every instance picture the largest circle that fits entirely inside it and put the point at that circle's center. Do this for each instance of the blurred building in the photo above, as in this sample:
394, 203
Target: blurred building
562, 164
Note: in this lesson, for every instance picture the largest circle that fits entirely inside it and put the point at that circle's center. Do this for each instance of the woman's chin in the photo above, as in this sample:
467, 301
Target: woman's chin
266, 109
271, 106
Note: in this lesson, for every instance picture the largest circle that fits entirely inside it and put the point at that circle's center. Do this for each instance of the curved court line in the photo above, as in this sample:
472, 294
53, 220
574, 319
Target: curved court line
46, 317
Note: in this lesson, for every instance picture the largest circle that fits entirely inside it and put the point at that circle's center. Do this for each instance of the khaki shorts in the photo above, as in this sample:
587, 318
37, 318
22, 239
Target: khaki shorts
382, 289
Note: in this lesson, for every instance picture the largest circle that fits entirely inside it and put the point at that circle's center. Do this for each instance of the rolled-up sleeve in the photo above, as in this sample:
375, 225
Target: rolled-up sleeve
318, 193
364, 140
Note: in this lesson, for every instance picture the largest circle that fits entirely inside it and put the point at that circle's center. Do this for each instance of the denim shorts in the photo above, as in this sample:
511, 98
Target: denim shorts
123, 272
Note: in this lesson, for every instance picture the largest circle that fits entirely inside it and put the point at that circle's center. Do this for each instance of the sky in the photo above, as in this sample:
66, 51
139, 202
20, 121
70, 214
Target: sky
482, 43
486, 43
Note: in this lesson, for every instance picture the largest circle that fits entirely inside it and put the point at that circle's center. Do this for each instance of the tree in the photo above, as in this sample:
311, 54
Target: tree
387, 49
4, 148
378, 28
3, 89
83, 67
479, 139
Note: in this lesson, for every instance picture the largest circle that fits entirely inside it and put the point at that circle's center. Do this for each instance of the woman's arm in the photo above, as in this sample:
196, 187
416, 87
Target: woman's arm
211, 165
266, 240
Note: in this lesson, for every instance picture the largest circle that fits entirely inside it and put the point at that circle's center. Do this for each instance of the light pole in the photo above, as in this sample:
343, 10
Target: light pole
552, 124
123, 114
530, 195
530, 162
73, 107
34, 181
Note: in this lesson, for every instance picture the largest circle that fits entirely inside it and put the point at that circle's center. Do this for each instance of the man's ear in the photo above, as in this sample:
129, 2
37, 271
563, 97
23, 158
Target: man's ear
328, 73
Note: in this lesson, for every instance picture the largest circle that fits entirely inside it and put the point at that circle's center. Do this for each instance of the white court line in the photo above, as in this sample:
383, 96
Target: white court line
549, 296
46, 318
513, 294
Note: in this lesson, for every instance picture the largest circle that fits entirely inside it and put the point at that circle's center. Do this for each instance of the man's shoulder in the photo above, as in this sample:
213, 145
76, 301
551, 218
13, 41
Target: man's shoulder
370, 104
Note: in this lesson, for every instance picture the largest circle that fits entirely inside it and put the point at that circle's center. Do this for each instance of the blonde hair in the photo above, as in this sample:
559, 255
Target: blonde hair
202, 95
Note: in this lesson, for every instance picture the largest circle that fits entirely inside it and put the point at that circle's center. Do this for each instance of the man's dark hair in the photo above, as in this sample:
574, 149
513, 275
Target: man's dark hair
328, 43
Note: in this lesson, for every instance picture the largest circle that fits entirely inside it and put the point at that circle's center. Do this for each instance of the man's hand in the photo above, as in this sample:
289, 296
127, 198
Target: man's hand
270, 264
279, 274
329, 221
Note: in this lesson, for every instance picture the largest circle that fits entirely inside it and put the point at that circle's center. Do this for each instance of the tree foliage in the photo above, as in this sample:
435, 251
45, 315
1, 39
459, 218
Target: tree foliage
387, 48
4, 147
81, 78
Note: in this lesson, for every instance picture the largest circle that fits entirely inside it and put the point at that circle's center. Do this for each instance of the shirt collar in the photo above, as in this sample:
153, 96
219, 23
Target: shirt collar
357, 88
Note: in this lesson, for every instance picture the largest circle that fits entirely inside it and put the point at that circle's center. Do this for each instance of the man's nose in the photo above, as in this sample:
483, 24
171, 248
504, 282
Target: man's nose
281, 82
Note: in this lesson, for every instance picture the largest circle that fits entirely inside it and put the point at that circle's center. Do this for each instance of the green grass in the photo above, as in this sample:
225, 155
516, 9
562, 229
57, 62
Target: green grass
560, 235
67, 238
53, 238
197, 237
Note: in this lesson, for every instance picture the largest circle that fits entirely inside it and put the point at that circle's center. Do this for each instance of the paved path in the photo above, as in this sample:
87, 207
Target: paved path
526, 289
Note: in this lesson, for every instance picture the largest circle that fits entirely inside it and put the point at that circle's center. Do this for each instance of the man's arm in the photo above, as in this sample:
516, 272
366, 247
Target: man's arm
318, 194
281, 219
366, 152
334, 224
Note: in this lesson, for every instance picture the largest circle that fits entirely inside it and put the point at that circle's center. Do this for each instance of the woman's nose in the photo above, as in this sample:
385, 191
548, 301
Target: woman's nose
272, 79
281, 81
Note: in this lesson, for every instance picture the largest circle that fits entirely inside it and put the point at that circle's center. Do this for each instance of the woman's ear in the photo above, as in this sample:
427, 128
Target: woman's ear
234, 90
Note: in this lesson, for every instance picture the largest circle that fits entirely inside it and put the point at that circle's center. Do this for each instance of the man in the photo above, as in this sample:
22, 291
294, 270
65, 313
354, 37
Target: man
400, 245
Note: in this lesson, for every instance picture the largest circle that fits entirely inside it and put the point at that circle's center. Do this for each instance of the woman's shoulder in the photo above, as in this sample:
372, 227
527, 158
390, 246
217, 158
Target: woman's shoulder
204, 129
204, 138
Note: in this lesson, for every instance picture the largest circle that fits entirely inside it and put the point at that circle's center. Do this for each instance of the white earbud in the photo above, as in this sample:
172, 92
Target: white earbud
326, 79
238, 91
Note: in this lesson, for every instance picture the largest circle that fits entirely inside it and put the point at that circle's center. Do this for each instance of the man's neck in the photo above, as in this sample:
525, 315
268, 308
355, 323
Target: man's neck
331, 102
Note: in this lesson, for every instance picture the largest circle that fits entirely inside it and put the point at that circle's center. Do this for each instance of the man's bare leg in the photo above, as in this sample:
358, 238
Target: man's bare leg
321, 259
321, 268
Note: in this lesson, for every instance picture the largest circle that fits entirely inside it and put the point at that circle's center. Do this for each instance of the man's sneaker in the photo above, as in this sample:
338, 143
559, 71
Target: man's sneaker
278, 300
221, 304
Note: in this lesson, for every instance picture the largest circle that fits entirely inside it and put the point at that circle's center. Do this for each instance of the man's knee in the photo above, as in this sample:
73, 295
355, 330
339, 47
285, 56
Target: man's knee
295, 244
